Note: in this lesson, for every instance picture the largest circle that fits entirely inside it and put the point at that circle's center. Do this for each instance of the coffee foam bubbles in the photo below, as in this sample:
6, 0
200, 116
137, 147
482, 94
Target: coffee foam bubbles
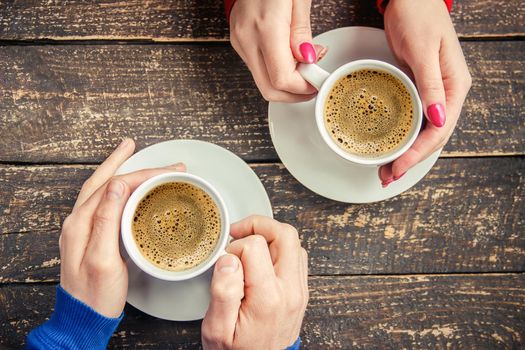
176, 226
368, 113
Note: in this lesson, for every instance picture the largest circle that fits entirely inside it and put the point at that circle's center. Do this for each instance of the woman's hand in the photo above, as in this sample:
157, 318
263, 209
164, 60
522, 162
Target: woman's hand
422, 37
259, 291
91, 268
271, 36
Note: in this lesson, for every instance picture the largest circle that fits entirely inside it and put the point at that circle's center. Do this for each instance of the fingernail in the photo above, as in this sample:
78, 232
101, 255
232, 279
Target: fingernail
400, 176
124, 143
228, 264
387, 182
308, 52
176, 166
115, 189
436, 114
321, 51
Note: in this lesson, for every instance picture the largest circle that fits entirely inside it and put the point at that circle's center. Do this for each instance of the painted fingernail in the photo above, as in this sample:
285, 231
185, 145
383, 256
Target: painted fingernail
400, 176
228, 264
308, 52
115, 190
387, 182
436, 114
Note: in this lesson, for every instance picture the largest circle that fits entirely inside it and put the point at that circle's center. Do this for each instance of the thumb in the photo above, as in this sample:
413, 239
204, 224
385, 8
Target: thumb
430, 85
104, 240
227, 291
301, 32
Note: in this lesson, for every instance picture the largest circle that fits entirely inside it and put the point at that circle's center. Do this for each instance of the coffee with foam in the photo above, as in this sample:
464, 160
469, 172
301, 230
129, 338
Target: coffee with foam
369, 113
176, 226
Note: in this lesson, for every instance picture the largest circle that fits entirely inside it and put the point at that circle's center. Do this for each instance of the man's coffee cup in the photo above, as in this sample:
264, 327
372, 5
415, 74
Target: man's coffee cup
183, 212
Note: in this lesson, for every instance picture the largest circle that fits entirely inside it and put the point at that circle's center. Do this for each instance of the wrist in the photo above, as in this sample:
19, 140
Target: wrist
295, 346
228, 5
74, 325
382, 4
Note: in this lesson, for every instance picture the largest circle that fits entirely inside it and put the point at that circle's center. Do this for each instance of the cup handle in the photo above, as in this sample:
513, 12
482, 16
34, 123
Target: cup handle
313, 74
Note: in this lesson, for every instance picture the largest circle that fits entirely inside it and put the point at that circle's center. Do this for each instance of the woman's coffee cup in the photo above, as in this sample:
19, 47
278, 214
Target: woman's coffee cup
367, 111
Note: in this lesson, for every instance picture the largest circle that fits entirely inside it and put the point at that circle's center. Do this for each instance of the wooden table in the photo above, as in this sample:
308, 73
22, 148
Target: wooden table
439, 267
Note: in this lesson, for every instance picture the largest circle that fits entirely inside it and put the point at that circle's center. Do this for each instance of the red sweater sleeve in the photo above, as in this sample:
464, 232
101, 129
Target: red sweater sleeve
381, 5
228, 5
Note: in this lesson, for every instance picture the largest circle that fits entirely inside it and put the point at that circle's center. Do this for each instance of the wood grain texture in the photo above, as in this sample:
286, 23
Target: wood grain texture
361, 312
183, 20
73, 103
460, 218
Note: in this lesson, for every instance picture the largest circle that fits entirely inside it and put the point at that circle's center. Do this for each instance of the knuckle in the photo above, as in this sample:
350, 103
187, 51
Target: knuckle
467, 83
222, 293
291, 231
296, 303
213, 337
98, 267
303, 29
87, 184
237, 31
280, 82
266, 24
67, 225
257, 242
269, 95
119, 178
290, 236
68, 229
272, 302
434, 85
101, 218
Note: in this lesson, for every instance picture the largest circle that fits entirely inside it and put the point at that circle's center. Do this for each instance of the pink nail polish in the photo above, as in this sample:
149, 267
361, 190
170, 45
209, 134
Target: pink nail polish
400, 176
436, 114
308, 52
387, 182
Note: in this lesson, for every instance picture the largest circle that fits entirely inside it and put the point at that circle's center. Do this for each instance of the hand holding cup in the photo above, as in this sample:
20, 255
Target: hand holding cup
259, 291
91, 268
431, 49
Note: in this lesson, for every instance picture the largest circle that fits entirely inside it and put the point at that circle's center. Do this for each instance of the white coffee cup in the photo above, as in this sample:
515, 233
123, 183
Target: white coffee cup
130, 244
324, 81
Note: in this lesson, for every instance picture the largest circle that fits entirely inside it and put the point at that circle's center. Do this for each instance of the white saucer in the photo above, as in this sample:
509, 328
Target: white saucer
300, 146
244, 195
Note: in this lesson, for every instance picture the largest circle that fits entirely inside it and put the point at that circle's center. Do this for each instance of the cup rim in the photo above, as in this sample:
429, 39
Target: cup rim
352, 67
130, 245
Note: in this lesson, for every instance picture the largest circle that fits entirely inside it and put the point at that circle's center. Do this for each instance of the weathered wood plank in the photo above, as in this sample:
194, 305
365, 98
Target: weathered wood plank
461, 218
362, 312
73, 103
67, 103
204, 20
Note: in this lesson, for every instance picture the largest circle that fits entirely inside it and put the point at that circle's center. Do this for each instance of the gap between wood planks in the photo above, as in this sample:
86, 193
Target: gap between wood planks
143, 40
452, 155
375, 276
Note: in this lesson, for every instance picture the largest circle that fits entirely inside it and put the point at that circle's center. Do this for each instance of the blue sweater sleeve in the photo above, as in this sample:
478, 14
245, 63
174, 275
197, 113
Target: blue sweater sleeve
295, 346
73, 325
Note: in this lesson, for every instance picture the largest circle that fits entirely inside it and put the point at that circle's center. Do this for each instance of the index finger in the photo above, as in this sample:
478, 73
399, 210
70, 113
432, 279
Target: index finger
105, 170
428, 141
281, 65
132, 180
283, 241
